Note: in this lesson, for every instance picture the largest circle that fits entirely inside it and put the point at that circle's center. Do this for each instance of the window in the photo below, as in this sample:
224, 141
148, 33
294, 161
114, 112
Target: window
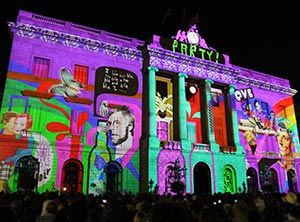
219, 116
162, 128
41, 67
81, 74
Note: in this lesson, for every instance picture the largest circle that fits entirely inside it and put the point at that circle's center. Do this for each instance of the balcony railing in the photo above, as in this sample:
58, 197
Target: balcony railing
227, 149
200, 147
171, 145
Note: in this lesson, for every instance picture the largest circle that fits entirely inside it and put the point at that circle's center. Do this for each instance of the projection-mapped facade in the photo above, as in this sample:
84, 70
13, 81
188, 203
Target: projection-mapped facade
90, 111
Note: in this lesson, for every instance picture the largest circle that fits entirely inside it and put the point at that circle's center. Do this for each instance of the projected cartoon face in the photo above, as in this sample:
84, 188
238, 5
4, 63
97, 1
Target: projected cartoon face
8, 120
120, 123
117, 125
10, 127
284, 142
23, 122
20, 124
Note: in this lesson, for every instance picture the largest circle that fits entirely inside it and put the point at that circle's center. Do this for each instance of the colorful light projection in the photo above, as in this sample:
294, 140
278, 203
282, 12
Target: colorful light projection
262, 125
164, 109
19, 141
218, 110
115, 156
192, 44
193, 111
287, 137
65, 123
116, 142
62, 128
229, 176
68, 87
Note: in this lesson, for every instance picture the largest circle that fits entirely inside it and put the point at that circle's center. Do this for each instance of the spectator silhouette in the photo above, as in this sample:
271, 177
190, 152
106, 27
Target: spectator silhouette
167, 210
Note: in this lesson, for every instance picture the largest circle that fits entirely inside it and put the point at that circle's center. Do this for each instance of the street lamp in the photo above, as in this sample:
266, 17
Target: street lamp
151, 182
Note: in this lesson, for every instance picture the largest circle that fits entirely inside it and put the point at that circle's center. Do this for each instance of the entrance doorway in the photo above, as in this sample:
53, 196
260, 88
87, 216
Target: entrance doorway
202, 178
292, 180
252, 180
113, 174
72, 176
271, 181
28, 169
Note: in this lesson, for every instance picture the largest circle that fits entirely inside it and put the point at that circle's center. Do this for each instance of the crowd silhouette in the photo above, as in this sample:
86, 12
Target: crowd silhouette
149, 207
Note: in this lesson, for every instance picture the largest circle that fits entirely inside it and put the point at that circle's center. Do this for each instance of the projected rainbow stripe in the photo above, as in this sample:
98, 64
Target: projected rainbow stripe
285, 112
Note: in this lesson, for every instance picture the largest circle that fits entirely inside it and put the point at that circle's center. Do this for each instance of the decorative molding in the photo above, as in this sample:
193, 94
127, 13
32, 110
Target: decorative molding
265, 85
176, 62
74, 41
159, 58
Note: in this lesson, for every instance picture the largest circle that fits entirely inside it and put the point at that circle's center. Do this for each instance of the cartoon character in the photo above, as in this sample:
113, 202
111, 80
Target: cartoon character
8, 120
259, 115
214, 99
69, 86
103, 110
270, 122
163, 106
12, 149
23, 122
251, 140
120, 128
285, 147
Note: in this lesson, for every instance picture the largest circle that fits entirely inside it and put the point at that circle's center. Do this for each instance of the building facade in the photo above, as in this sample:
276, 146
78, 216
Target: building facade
90, 111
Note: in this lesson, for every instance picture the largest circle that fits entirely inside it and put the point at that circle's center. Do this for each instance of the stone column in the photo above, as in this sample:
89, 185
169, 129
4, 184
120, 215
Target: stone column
152, 91
185, 144
234, 118
153, 144
182, 106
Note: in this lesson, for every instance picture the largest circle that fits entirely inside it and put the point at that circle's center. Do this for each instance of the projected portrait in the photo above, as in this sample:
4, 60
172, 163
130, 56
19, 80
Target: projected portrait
8, 121
119, 129
284, 141
214, 99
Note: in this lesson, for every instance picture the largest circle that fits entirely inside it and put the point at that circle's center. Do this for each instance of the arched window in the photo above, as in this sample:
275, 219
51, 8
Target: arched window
229, 177
252, 180
271, 182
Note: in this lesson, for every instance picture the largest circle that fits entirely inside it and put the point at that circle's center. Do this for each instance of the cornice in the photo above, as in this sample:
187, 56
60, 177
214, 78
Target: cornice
74, 41
265, 85
176, 62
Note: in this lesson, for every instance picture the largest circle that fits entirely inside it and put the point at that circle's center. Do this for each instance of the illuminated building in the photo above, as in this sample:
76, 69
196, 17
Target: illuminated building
90, 111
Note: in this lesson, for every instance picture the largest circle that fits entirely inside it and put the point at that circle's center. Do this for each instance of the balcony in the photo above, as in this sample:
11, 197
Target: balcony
200, 147
171, 145
228, 149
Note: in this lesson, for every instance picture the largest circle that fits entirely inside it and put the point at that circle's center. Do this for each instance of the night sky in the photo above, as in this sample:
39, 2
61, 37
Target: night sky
255, 35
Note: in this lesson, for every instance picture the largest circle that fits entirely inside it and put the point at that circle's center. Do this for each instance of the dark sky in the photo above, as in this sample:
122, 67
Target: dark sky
256, 35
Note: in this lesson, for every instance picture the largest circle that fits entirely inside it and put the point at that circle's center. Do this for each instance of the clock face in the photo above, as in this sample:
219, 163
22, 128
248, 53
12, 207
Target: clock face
193, 37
